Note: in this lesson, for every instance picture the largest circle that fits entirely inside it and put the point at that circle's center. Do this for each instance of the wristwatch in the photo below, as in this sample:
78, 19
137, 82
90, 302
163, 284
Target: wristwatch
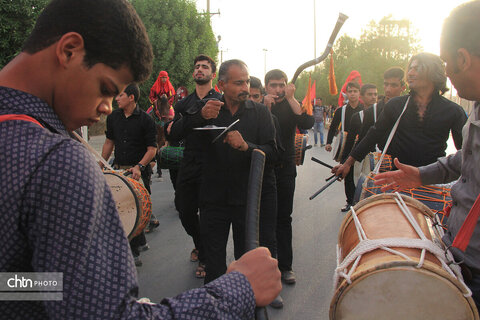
141, 166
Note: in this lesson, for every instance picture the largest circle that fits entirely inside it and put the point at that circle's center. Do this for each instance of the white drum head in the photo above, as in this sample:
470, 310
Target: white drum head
125, 199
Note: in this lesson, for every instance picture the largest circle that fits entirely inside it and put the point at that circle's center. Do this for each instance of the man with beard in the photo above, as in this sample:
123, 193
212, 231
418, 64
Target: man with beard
282, 103
425, 123
226, 165
188, 179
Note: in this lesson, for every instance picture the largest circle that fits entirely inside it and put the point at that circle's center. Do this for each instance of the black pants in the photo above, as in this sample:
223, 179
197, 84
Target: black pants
349, 186
285, 175
215, 225
268, 212
173, 177
186, 203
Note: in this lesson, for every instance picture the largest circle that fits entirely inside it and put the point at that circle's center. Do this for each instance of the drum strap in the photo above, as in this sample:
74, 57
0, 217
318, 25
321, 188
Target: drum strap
466, 230
23, 117
390, 137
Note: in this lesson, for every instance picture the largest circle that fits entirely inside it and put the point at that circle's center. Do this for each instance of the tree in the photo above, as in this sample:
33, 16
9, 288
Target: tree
17, 20
382, 45
178, 33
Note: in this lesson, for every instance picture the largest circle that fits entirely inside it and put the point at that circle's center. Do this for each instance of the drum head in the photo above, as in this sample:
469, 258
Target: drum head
402, 292
127, 203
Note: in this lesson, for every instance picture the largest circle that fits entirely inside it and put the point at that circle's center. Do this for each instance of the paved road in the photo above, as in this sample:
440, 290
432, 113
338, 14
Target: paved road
167, 270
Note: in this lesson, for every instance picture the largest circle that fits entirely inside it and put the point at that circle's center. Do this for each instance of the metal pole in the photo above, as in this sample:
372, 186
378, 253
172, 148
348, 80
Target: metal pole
264, 62
208, 8
314, 31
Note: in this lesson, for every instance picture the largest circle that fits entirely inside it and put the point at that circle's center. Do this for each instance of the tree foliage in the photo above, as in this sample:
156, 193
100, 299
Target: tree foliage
17, 20
178, 33
382, 45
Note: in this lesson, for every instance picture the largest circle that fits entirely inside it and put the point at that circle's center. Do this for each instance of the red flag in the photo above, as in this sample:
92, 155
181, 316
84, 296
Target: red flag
218, 90
307, 101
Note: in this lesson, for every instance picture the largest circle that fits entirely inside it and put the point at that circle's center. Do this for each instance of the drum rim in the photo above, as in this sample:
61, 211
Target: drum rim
137, 202
392, 263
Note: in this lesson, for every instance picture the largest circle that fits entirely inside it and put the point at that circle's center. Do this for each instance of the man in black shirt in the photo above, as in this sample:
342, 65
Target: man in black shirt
282, 103
353, 106
131, 131
188, 179
423, 131
226, 166
393, 86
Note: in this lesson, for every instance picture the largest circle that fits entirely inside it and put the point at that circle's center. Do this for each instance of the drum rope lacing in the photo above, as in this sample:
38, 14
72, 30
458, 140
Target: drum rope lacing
366, 245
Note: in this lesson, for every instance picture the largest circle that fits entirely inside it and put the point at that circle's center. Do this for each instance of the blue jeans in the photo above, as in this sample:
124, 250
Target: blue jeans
318, 127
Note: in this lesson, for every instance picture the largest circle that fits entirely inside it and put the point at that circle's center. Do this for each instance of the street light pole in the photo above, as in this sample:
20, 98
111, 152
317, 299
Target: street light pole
314, 31
264, 61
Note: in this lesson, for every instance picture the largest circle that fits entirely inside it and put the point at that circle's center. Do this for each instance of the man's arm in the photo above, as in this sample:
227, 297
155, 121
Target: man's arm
145, 161
333, 128
355, 125
290, 96
107, 150
457, 127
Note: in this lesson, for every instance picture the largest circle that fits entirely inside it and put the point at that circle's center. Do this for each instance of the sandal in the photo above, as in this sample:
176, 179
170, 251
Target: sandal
200, 272
194, 255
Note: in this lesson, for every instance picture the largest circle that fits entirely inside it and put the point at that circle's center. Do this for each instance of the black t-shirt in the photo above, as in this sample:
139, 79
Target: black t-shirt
289, 121
416, 142
131, 135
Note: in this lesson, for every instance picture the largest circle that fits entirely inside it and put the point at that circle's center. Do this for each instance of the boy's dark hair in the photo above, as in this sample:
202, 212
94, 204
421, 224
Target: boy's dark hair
353, 84
225, 66
204, 57
112, 32
395, 72
275, 74
367, 86
133, 88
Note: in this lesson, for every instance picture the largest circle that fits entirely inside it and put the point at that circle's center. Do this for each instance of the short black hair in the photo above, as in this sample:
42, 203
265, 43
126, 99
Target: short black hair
225, 66
365, 87
461, 29
395, 72
112, 32
133, 88
352, 84
204, 57
275, 74
256, 83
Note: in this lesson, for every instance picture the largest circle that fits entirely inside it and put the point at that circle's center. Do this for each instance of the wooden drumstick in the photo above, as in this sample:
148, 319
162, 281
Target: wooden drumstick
93, 151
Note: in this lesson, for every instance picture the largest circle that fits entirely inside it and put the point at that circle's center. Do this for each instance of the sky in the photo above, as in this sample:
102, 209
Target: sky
285, 28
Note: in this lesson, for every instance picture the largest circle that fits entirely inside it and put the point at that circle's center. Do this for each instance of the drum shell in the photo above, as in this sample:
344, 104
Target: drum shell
170, 157
132, 200
386, 286
300, 148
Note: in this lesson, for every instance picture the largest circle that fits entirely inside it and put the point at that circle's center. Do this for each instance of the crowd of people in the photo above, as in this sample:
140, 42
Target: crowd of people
68, 74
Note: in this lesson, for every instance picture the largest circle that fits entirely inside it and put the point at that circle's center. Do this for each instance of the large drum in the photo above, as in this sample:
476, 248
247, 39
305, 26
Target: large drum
436, 197
133, 202
300, 148
391, 264
171, 157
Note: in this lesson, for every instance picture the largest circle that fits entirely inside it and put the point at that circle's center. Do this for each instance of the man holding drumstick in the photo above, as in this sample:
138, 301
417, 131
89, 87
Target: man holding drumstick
58, 213
461, 54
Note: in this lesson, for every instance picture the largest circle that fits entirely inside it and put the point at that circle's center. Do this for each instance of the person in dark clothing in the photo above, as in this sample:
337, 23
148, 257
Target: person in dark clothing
226, 164
189, 174
131, 131
424, 128
393, 86
368, 94
256, 90
282, 103
353, 106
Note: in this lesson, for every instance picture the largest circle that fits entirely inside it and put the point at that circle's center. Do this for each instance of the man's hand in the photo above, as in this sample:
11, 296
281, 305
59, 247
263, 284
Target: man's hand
136, 173
262, 272
290, 91
341, 170
211, 109
328, 147
269, 100
235, 140
169, 128
405, 177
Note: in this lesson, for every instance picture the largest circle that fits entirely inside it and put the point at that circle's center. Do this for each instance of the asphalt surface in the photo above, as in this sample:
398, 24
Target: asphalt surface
167, 270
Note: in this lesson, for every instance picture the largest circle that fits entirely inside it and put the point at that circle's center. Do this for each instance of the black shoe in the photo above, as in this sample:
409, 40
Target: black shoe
138, 262
277, 303
346, 208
